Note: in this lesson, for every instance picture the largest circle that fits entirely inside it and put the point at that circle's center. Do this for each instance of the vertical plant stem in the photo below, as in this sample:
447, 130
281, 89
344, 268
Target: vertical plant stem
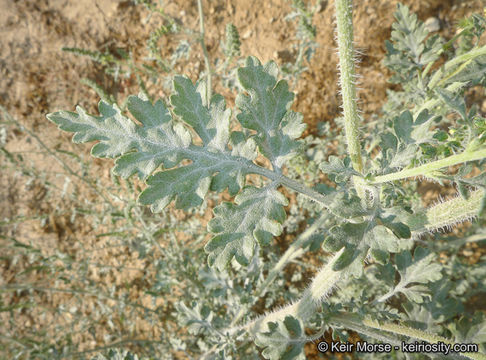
344, 19
205, 52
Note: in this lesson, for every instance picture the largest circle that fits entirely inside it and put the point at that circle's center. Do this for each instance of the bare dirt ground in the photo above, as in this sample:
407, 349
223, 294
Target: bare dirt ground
36, 77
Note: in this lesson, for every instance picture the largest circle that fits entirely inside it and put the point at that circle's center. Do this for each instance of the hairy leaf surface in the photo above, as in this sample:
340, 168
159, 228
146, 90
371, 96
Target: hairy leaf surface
284, 340
266, 110
409, 50
421, 270
159, 141
255, 218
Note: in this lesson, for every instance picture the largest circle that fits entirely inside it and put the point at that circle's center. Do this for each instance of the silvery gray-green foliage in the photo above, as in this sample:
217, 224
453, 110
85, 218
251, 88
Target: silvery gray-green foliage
411, 48
282, 334
214, 165
232, 42
257, 215
306, 44
118, 223
381, 275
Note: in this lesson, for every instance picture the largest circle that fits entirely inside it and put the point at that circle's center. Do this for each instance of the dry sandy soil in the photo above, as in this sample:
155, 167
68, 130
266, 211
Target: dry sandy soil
37, 78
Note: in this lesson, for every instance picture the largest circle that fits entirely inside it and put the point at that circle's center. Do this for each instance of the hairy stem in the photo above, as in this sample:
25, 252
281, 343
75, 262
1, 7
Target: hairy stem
345, 321
429, 168
416, 334
205, 52
447, 213
362, 325
344, 19
323, 283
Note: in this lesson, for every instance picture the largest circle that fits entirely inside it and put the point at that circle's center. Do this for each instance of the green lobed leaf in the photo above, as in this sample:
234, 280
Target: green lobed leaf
403, 143
212, 125
409, 49
90, 128
421, 270
266, 110
285, 340
340, 170
254, 219
402, 125
159, 141
345, 204
453, 101
361, 239
441, 307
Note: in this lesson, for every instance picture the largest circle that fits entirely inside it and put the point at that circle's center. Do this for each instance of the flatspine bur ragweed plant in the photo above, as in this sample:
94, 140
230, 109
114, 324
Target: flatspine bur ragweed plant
381, 278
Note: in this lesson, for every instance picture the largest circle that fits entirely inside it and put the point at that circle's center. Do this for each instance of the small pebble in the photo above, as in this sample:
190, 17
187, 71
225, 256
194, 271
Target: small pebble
432, 24
247, 34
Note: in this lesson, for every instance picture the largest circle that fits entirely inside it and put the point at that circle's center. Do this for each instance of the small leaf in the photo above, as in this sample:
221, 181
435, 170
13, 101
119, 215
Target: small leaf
463, 191
266, 110
339, 170
388, 141
399, 229
256, 218
196, 317
453, 101
188, 105
420, 270
404, 156
380, 238
441, 135
380, 256
402, 125
347, 258
284, 340
410, 50
212, 125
